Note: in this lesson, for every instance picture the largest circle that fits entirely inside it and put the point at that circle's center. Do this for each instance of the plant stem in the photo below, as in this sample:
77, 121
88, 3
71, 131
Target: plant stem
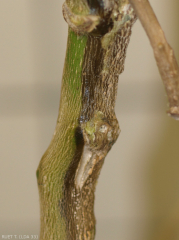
86, 126
163, 53
58, 157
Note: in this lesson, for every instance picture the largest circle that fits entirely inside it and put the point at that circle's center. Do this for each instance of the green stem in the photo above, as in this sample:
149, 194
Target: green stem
57, 159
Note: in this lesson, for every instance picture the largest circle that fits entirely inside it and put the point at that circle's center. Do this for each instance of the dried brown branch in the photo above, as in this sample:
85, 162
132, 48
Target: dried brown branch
163, 53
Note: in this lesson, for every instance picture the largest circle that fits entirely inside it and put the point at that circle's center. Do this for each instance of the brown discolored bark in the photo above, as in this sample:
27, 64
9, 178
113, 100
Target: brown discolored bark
86, 126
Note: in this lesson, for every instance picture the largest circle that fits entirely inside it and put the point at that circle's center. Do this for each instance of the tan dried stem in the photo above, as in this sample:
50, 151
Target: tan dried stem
163, 53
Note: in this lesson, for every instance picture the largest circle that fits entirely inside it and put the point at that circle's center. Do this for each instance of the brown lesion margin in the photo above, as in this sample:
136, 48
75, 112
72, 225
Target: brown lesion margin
77, 205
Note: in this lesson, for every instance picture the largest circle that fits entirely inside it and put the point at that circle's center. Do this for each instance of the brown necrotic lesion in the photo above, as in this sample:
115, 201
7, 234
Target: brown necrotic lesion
103, 62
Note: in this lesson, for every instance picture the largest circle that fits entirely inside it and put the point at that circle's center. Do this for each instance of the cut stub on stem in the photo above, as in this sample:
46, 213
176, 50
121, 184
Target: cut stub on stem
81, 24
163, 53
99, 135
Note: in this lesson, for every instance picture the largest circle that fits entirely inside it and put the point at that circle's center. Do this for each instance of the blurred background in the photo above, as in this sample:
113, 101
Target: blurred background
137, 194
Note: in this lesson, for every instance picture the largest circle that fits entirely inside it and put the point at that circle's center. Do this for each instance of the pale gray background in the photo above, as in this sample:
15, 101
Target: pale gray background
137, 186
